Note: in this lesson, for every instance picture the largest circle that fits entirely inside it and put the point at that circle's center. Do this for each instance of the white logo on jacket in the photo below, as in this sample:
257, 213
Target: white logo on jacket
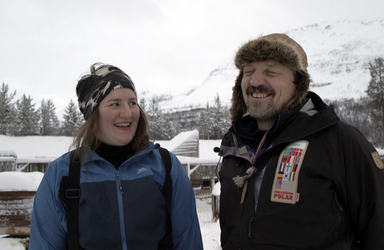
141, 170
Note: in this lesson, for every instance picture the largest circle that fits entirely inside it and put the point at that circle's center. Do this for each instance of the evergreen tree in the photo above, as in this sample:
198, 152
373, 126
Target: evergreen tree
49, 124
356, 113
204, 124
160, 127
72, 119
154, 118
143, 105
214, 121
221, 121
27, 118
7, 110
375, 92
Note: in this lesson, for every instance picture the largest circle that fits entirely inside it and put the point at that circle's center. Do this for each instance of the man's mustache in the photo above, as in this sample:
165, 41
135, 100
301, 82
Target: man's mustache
262, 89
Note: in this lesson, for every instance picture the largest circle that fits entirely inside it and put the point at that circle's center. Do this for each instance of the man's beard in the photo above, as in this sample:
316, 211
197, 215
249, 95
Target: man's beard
267, 113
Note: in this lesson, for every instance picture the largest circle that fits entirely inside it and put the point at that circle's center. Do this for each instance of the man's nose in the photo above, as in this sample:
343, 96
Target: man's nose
257, 79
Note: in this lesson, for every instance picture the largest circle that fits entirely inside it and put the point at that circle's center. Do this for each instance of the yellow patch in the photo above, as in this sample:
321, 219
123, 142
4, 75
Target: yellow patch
377, 160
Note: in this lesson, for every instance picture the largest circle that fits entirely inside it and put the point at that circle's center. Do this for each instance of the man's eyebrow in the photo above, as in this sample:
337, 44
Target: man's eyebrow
272, 64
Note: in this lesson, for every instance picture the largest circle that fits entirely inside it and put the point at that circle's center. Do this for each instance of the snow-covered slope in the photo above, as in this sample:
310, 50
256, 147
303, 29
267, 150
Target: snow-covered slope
338, 54
218, 82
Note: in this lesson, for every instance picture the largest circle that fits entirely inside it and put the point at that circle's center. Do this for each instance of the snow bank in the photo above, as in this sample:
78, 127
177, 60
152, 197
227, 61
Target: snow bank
11, 244
216, 189
20, 181
210, 230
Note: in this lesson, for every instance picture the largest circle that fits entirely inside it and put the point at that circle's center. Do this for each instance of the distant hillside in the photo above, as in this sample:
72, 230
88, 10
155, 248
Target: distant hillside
338, 54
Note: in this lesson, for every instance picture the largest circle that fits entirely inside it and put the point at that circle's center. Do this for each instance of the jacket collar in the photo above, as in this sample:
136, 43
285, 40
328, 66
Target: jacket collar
93, 156
311, 116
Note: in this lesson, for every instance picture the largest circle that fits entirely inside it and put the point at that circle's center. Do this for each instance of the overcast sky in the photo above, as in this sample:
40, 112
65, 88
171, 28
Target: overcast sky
166, 46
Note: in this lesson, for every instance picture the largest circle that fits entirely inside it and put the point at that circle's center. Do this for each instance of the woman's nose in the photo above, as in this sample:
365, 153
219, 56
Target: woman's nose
125, 111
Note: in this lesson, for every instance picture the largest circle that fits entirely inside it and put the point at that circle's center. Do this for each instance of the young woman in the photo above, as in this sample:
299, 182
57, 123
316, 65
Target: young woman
121, 200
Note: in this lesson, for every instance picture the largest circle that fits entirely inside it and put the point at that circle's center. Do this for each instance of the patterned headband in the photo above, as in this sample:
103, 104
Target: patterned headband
92, 89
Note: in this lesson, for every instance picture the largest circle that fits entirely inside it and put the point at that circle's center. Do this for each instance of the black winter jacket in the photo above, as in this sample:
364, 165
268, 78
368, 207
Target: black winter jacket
318, 184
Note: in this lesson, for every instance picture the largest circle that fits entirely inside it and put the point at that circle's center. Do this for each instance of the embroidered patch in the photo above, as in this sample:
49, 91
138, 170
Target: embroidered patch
377, 160
284, 189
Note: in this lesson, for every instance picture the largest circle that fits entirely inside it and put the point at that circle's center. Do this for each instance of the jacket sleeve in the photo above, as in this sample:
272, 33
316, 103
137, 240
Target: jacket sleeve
365, 192
185, 224
47, 222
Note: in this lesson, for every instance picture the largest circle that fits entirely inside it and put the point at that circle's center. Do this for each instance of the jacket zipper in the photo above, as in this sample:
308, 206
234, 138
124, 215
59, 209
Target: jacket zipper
250, 227
120, 186
120, 192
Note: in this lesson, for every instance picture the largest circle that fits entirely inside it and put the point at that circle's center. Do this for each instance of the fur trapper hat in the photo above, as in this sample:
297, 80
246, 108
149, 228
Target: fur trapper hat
280, 48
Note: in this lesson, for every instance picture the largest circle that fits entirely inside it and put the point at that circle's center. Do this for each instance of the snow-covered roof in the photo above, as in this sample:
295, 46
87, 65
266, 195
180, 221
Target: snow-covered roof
20, 181
36, 148
40, 149
185, 143
206, 153
44, 149
7, 159
7, 153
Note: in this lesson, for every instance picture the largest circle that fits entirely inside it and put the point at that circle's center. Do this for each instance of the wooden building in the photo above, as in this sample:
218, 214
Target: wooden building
8, 161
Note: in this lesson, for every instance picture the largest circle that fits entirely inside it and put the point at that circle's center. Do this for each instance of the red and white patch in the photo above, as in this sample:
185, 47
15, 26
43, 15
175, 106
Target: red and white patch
284, 189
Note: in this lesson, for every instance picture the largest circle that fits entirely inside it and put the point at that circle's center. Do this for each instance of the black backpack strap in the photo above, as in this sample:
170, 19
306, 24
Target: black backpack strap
166, 241
70, 195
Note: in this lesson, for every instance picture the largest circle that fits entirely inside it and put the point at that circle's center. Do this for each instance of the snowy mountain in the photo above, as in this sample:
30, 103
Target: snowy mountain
338, 54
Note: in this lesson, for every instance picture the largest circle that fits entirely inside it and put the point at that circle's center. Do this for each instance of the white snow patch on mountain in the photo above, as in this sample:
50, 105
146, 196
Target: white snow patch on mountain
338, 56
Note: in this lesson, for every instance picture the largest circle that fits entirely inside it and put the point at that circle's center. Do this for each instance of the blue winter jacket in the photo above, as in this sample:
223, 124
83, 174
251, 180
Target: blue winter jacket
119, 208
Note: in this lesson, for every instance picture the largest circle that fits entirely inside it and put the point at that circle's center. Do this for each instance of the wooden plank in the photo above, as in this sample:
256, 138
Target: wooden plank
15, 212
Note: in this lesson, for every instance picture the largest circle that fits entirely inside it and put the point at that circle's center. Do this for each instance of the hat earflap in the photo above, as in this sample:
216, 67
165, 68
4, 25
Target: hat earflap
238, 107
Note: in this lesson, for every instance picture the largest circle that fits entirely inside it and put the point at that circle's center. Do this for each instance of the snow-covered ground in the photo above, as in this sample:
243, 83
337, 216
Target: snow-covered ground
11, 244
210, 230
